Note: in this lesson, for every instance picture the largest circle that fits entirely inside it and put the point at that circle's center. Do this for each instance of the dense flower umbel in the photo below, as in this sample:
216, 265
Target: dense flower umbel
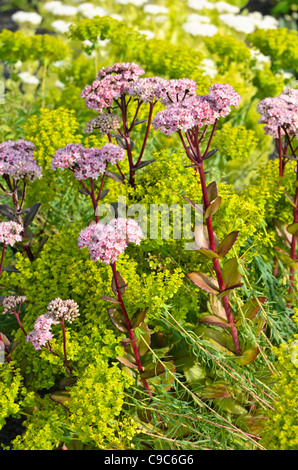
147, 89
111, 83
197, 111
87, 163
174, 91
41, 334
104, 122
10, 232
11, 303
280, 112
17, 160
57, 311
107, 242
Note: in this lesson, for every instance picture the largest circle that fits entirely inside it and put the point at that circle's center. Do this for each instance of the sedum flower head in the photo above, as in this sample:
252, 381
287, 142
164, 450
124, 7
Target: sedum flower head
147, 89
66, 310
174, 91
41, 334
10, 232
11, 302
221, 97
16, 160
111, 83
107, 242
280, 112
104, 122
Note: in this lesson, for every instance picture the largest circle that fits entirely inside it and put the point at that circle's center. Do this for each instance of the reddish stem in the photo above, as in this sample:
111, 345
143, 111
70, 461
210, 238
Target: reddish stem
64, 340
147, 134
129, 328
94, 201
2, 257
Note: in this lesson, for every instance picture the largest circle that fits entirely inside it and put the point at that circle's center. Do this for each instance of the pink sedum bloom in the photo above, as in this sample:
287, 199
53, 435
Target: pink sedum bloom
11, 303
107, 242
87, 163
193, 111
10, 232
280, 112
147, 89
67, 310
41, 334
175, 91
221, 97
110, 84
17, 160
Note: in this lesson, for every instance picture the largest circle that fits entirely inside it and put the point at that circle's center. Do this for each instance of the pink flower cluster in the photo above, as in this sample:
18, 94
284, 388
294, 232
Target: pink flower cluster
107, 242
10, 232
175, 91
11, 303
196, 111
17, 160
147, 89
87, 163
57, 310
280, 112
41, 334
110, 84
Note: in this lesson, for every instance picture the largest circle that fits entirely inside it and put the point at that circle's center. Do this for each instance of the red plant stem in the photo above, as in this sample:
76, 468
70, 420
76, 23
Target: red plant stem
225, 300
146, 134
101, 188
64, 340
20, 221
129, 328
280, 154
94, 202
2, 257
17, 315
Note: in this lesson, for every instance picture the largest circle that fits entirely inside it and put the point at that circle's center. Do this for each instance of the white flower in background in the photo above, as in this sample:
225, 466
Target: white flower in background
27, 78
242, 24
224, 7
200, 29
209, 67
60, 26
195, 18
147, 33
59, 84
155, 9
59, 9
200, 4
117, 17
260, 58
248, 23
21, 17
137, 3
88, 10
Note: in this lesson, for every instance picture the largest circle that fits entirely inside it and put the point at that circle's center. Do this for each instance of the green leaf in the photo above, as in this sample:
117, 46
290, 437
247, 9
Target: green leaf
127, 360
117, 319
122, 284
208, 253
110, 299
195, 376
103, 194
156, 369
142, 331
213, 207
247, 356
215, 391
293, 228
212, 192
230, 405
215, 321
285, 258
138, 318
61, 397
281, 230
230, 273
250, 309
195, 206
227, 243
205, 282
216, 307
221, 339
227, 291
8, 212
201, 237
